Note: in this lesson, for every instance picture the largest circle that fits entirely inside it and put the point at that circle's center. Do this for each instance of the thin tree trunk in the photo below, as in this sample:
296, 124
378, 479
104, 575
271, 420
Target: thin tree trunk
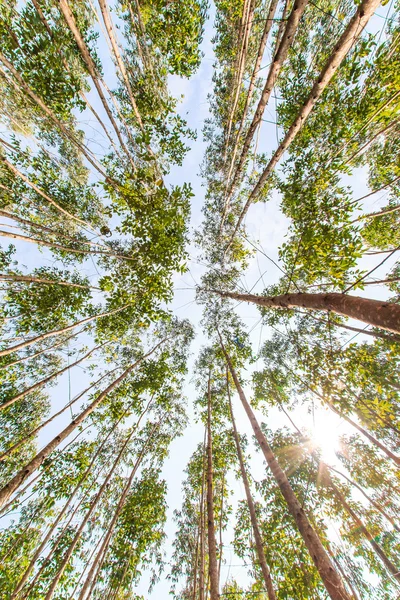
347, 40
32, 279
14, 217
59, 124
120, 62
371, 500
85, 520
385, 315
395, 572
202, 526
343, 574
244, 32
196, 561
43, 336
35, 463
221, 547
30, 240
70, 20
47, 379
101, 555
23, 358
365, 433
275, 68
253, 516
212, 545
263, 43
324, 566
60, 515
32, 185
35, 431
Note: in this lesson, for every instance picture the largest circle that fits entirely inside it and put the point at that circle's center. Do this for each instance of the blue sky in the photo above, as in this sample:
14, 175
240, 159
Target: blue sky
266, 225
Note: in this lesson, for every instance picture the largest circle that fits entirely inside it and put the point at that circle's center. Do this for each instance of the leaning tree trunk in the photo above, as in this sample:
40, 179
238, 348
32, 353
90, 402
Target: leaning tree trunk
347, 40
47, 379
89, 512
323, 564
35, 463
253, 517
212, 545
385, 315
35, 431
370, 500
393, 570
101, 555
275, 68
43, 336
60, 515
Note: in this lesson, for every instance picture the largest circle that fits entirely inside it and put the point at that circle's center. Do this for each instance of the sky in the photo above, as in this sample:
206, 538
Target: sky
266, 227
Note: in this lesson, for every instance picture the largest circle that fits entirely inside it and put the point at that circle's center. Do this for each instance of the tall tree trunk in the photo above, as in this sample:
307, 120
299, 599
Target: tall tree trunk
18, 219
196, 562
253, 516
371, 500
263, 43
70, 20
85, 520
385, 315
212, 545
43, 336
59, 124
395, 572
274, 70
101, 555
324, 566
45, 196
61, 514
47, 379
35, 431
39, 352
202, 526
365, 433
221, 546
32, 279
40, 242
347, 40
35, 463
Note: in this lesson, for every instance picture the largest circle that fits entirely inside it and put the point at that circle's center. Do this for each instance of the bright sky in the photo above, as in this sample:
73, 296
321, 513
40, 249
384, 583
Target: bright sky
267, 227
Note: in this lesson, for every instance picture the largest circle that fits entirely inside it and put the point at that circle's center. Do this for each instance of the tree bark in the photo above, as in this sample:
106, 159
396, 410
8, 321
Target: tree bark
70, 20
35, 463
43, 336
253, 516
395, 572
34, 187
47, 379
60, 515
323, 564
101, 555
371, 500
347, 40
385, 315
274, 70
212, 545
35, 431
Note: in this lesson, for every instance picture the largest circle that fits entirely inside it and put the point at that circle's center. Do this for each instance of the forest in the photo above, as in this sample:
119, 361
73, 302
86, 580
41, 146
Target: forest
200, 299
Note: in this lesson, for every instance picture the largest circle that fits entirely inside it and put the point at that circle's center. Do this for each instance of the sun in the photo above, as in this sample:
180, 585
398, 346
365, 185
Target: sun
325, 435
